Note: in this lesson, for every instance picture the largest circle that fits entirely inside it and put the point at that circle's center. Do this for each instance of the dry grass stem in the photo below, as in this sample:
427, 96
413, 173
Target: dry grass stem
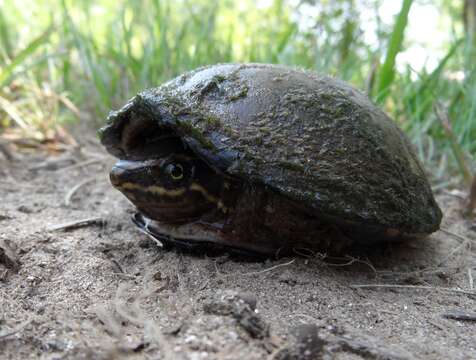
78, 224
268, 269
465, 244
457, 236
74, 189
352, 260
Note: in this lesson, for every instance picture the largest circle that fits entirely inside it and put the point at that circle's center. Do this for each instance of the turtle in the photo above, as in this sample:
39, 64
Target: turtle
267, 159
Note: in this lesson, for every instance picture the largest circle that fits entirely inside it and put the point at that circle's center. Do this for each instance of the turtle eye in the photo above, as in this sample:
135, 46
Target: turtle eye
175, 171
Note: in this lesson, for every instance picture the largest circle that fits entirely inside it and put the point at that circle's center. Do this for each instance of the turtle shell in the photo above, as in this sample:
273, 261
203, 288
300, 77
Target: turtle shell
313, 139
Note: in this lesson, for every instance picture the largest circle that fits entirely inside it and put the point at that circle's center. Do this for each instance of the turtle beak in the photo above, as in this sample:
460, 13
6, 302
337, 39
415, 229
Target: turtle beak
116, 175
122, 170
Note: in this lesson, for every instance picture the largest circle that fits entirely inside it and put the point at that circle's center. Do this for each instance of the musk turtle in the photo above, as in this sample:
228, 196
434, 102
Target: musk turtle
266, 158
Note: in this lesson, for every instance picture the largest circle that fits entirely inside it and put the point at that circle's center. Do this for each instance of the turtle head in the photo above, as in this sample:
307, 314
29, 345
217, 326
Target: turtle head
157, 171
177, 187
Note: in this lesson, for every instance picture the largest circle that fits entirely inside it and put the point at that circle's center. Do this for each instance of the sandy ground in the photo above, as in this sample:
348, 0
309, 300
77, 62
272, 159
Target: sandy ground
103, 290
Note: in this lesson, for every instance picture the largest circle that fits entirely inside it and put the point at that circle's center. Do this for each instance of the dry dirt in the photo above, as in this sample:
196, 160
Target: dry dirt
103, 290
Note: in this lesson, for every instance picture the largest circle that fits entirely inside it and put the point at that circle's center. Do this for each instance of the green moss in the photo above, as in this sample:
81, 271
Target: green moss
291, 166
212, 123
100, 133
259, 140
190, 130
265, 130
240, 92
229, 131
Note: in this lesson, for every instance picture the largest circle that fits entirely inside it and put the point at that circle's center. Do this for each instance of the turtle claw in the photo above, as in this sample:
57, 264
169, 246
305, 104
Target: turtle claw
141, 224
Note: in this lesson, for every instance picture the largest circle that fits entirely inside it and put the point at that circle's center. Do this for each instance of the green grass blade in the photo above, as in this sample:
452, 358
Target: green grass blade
387, 71
436, 74
5, 37
458, 152
85, 46
8, 71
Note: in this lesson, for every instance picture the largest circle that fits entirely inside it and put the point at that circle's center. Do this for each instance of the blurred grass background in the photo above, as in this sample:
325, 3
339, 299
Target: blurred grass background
66, 61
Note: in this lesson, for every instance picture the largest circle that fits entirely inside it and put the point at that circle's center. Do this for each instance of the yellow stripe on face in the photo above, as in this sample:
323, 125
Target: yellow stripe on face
161, 191
208, 196
154, 189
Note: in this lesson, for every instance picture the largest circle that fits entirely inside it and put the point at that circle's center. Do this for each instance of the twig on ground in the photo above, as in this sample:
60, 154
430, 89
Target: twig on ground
460, 315
15, 330
118, 266
464, 244
351, 261
74, 189
348, 263
436, 324
77, 224
268, 269
470, 278
413, 287
124, 275
457, 236
308, 317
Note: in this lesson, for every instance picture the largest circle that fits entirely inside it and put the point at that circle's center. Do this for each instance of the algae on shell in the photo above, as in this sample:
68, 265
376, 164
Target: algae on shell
311, 138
